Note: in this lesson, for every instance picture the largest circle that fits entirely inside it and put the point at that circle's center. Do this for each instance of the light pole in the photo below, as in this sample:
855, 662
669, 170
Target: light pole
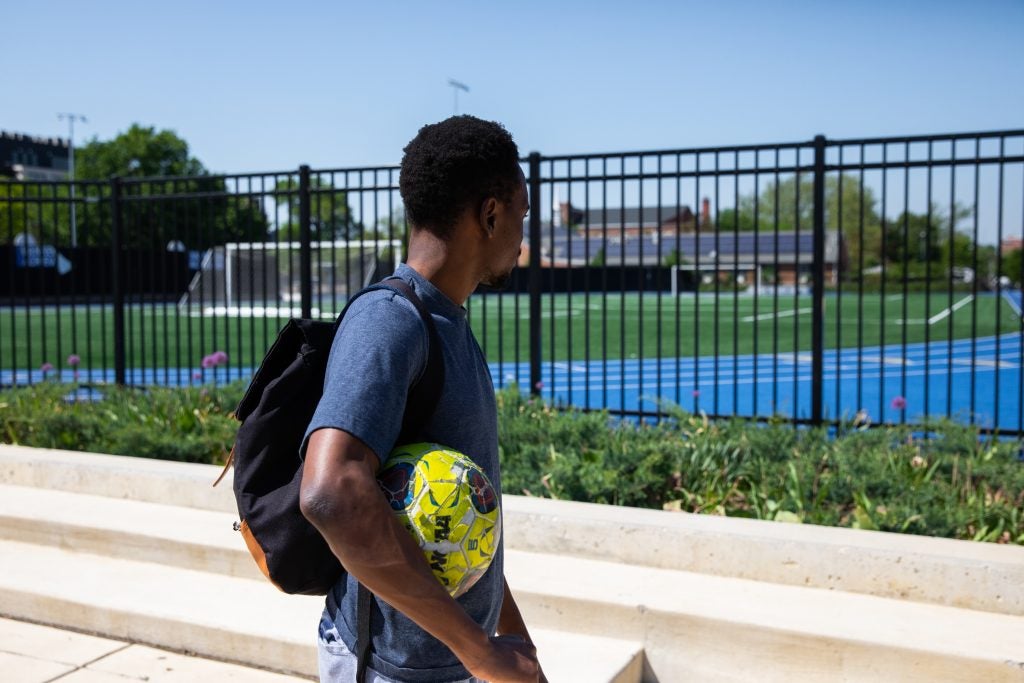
71, 118
456, 87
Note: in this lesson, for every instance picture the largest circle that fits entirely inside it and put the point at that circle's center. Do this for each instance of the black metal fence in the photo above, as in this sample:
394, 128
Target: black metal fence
874, 280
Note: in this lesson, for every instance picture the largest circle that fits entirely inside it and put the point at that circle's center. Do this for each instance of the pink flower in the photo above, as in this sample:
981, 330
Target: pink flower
219, 357
46, 367
696, 393
898, 403
197, 375
74, 360
539, 385
208, 362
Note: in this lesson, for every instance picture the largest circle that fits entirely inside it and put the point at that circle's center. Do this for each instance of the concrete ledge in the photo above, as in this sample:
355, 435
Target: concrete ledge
184, 537
179, 609
117, 476
981, 576
710, 628
228, 618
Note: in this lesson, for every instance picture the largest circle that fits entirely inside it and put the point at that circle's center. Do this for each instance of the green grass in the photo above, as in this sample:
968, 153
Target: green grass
156, 336
572, 327
628, 324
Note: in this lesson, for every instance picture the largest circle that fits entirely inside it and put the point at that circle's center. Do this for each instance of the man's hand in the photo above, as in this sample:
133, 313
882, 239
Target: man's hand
510, 623
509, 659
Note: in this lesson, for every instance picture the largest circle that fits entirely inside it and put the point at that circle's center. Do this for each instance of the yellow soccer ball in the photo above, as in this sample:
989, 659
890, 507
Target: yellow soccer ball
449, 506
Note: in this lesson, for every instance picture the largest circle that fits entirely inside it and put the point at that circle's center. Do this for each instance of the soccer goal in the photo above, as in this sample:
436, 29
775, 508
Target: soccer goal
263, 278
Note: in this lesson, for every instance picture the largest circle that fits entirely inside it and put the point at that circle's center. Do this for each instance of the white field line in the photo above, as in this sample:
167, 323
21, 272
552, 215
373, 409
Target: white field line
769, 316
947, 311
1008, 298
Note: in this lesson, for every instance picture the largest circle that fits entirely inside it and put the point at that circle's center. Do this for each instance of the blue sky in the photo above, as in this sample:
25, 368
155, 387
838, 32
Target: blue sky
265, 86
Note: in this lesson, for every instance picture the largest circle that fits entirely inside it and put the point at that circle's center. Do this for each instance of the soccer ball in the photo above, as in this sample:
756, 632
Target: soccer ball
447, 503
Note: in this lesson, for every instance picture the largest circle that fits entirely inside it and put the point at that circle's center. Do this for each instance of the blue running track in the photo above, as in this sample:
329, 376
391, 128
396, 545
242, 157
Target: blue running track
980, 378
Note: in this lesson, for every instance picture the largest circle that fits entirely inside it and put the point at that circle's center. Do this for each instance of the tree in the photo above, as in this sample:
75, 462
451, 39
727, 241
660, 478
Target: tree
138, 152
1013, 266
214, 216
330, 217
920, 245
674, 258
31, 209
788, 204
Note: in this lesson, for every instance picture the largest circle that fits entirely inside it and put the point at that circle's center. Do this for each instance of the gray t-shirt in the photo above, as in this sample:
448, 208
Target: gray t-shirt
379, 351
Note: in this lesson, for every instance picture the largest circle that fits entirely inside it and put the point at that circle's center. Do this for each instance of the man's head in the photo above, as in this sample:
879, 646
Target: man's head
465, 171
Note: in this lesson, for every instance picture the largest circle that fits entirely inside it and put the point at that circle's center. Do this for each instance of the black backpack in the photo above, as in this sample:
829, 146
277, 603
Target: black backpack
275, 412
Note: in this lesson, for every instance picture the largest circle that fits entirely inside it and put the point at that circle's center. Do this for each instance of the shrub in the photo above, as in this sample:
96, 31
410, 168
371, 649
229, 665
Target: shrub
940, 479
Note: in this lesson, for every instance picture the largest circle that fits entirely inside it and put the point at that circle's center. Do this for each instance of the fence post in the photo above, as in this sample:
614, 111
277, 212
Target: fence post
305, 256
534, 273
118, 285
818, 314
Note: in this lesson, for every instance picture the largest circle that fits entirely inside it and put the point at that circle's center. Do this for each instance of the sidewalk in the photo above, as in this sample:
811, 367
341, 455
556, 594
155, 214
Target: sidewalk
30, 653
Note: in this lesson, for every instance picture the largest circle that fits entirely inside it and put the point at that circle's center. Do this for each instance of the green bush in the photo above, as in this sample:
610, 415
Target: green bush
942, 479
192, 425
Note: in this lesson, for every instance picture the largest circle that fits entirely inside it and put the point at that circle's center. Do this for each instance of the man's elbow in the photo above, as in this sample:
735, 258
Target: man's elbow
332, 504
317, 504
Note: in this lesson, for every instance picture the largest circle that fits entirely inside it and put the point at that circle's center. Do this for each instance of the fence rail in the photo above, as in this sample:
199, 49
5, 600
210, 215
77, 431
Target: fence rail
871, 280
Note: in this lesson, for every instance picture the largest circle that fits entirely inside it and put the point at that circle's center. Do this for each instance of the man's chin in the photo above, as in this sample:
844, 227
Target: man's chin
498, 283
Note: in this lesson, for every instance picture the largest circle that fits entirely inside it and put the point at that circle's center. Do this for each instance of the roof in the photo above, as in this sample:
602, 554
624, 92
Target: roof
632, 217
726, 249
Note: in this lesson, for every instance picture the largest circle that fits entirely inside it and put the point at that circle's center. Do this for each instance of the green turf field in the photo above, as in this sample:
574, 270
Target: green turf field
628, 324
618, 325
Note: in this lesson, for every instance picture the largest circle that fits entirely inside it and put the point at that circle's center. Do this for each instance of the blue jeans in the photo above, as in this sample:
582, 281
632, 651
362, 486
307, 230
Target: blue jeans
337, 664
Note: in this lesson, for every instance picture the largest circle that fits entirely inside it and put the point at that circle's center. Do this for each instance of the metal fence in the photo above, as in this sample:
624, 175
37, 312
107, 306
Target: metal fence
871, 280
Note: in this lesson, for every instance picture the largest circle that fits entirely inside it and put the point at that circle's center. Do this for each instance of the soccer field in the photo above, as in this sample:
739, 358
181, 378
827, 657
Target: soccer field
573, 327
580, 327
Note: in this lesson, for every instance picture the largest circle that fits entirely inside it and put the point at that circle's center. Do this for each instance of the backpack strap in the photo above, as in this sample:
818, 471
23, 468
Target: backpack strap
424, 395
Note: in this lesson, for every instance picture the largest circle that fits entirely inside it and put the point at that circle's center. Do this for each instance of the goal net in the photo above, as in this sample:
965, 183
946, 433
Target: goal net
263, 278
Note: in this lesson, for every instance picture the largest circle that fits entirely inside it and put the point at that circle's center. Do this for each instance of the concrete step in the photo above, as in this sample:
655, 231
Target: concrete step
31, 653
226, 617
977, 576
190, 538
713, 628
707, 625
707, 598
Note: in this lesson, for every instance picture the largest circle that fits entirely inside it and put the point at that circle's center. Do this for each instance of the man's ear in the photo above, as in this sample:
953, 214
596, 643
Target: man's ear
488, 214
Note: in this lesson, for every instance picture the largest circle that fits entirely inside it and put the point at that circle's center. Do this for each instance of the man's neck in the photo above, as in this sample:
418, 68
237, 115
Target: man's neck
432, 258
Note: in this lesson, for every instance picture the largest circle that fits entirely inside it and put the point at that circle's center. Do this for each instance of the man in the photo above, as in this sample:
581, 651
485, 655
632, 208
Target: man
465, 198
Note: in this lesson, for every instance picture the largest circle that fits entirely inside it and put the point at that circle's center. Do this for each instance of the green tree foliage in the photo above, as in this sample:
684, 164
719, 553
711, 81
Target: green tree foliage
330, 217
921, 246
789, 206
674, 258
850, 206
913, 244
167, 195
35, 209
1013, 266
138, 152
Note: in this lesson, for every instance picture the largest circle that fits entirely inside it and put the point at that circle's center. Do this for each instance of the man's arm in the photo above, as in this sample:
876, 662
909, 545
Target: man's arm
340, 497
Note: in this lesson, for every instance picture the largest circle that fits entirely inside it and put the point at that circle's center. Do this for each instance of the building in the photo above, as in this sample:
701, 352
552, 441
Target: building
674, 237
23, 157
632, 221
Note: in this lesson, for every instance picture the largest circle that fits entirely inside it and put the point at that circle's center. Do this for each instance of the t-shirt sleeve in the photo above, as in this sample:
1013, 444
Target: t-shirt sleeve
380, 349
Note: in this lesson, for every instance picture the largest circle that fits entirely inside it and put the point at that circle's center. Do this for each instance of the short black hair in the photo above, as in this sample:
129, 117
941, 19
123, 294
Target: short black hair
453, 165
